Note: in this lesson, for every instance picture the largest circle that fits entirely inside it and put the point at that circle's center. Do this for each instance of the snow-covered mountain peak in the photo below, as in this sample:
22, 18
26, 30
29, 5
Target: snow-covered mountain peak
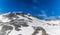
26, 23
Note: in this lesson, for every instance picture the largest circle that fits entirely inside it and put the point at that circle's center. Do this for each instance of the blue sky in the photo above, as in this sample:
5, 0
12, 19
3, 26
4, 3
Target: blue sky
34, 7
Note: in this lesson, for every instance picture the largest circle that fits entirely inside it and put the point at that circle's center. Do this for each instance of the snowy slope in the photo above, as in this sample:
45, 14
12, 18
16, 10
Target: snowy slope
52, 27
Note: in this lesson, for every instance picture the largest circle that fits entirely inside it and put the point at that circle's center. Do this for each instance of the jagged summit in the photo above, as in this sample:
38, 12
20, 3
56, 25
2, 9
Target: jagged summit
13, 15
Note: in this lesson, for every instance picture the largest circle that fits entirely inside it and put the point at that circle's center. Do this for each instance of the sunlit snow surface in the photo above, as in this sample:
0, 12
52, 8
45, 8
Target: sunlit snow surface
52, 27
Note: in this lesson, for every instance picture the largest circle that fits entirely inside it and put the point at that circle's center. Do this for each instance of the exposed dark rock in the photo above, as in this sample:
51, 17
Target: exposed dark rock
37, 29
7, 27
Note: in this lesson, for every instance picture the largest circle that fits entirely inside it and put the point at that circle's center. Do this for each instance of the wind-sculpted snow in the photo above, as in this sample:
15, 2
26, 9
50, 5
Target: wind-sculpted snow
26, 24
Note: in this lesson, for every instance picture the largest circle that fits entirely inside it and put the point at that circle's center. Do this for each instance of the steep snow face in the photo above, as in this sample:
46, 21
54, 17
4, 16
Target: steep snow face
26, 25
